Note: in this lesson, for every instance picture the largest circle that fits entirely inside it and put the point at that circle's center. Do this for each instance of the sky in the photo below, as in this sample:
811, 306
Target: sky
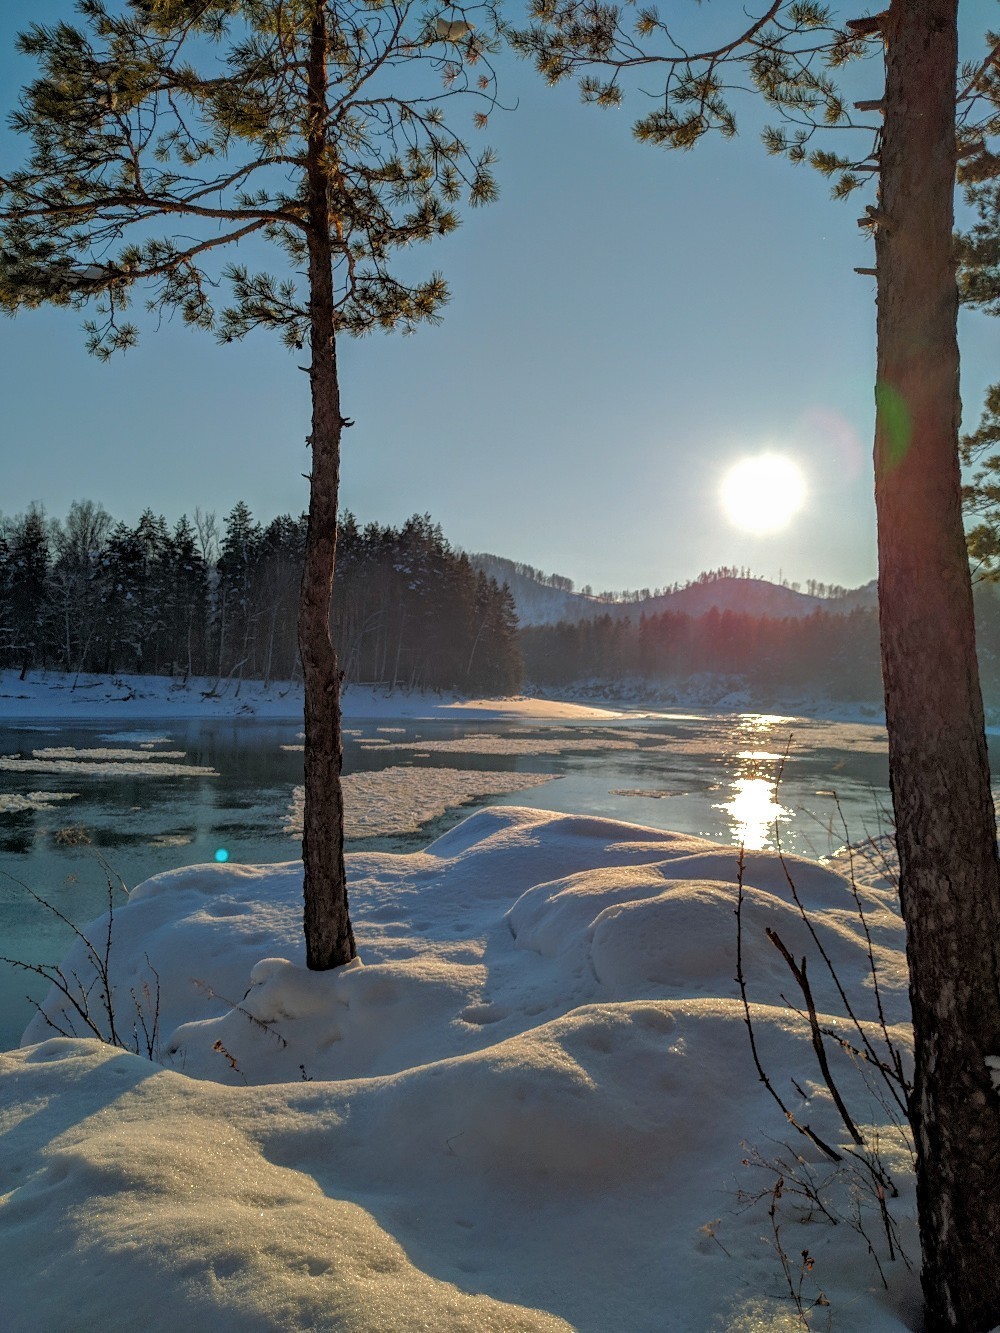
626, 325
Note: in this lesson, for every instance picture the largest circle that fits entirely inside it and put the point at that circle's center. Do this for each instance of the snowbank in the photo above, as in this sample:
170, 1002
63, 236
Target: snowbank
531, 1106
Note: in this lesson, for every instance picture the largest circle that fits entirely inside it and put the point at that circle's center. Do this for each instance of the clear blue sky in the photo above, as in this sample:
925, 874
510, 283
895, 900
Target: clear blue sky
625, 323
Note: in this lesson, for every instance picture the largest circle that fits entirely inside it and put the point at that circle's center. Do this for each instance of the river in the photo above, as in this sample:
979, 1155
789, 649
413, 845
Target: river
82, 803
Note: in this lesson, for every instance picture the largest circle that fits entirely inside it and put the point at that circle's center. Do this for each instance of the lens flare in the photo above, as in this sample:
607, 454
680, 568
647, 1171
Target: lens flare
222, 854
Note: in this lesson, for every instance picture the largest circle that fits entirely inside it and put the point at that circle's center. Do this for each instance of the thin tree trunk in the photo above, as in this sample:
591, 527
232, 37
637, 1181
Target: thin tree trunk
329, 937
222, 632
938, 763
270, 647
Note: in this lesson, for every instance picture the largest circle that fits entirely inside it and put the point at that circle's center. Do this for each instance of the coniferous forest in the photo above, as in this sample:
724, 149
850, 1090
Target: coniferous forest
836, 654
832, 654
201, 598
198, 599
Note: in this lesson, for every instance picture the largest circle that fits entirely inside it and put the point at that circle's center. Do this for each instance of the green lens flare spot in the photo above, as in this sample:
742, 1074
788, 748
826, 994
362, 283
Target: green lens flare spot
895, 426
222, 854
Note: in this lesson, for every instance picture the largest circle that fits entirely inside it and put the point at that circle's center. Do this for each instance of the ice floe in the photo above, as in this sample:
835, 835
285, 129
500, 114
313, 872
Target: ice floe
396, 801
17, 803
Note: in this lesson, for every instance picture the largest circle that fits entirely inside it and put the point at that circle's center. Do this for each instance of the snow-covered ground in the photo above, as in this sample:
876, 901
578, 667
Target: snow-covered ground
712, 692
57, 695
530, 1105
53, 694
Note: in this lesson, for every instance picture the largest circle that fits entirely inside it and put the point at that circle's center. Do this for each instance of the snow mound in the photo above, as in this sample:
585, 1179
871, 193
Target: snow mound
154, 1204
529, 1104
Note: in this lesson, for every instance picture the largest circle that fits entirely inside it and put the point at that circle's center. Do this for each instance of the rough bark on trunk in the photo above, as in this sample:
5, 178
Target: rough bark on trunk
939, 769
329, 937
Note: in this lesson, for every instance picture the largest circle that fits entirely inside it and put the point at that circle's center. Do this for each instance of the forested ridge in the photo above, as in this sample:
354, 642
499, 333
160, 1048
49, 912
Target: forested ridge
91, 594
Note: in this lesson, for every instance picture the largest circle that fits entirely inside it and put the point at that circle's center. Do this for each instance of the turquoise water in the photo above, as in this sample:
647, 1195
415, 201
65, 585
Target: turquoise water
708, 775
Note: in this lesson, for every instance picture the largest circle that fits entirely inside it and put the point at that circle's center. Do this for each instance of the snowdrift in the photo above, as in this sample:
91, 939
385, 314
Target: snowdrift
531, 1104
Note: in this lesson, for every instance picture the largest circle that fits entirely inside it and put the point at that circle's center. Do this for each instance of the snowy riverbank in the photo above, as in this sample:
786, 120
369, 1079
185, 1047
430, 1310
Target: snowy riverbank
709, 692
57, 695
531, 1105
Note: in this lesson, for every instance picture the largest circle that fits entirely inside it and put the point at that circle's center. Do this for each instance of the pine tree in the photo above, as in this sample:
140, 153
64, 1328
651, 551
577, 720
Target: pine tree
790, 52
317, 127
981, 495
979, 287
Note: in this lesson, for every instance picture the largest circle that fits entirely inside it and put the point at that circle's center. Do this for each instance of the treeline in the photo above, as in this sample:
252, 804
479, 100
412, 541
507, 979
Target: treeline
89, 594
836, 654
813, 587
724, 573
513, 571
518, 569
94, 595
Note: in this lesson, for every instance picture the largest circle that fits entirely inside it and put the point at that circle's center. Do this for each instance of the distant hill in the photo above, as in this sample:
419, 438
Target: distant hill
756, 597
541, 599
546, 599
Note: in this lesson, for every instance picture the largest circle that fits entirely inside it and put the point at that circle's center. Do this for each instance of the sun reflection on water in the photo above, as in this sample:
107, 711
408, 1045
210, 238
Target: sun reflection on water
753, 812
753, 807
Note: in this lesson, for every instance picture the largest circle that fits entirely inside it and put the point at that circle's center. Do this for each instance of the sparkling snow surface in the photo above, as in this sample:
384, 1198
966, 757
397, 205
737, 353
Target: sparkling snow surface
531, 1104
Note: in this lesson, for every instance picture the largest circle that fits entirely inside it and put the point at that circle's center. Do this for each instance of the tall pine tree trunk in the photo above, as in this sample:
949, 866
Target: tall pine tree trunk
938, 764
329, 937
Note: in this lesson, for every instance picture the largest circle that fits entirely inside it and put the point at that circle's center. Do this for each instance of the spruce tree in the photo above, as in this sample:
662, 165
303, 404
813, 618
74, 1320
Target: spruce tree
790, 51
29, 560
166, 132
186, 601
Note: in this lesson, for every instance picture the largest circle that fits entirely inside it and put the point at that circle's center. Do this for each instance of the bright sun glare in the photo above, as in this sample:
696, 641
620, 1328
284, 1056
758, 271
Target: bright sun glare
763, 494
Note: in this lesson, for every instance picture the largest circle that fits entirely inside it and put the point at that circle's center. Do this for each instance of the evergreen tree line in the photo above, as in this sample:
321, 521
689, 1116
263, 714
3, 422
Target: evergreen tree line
838, 654
89, 594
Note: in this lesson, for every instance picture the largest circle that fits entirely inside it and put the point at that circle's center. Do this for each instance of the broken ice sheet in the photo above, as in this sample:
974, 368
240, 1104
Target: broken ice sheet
14, 803
396, 801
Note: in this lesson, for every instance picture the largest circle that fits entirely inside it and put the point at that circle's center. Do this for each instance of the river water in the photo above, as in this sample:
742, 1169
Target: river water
80, 803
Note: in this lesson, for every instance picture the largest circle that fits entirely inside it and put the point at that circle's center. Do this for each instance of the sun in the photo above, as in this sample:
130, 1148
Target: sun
763, 494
